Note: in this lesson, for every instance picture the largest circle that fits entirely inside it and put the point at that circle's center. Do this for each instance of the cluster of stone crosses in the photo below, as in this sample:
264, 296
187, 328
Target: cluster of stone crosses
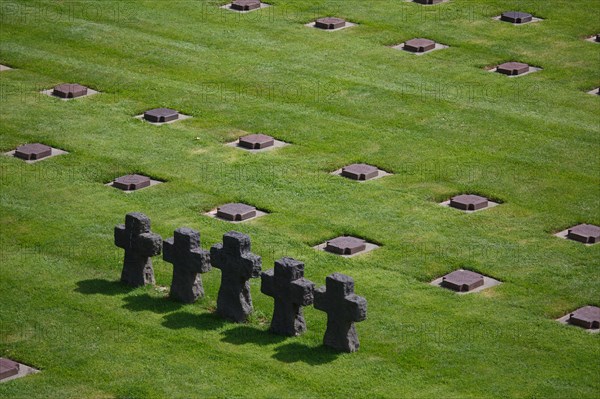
285, 283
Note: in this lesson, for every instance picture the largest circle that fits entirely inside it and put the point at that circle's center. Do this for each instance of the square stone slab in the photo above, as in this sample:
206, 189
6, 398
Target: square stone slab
419, 46
4, 68
162, 116
235, 212
465, 282
514, 69
361, 172
10, 370
244, 6
330, 24
469, 203
346, 246
69, 91
130, 183
252, 141
256, 141
517, 18
35, 152
587, 317
587, 234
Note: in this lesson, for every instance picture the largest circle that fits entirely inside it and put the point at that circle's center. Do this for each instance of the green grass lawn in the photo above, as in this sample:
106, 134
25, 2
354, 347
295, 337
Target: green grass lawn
440, 123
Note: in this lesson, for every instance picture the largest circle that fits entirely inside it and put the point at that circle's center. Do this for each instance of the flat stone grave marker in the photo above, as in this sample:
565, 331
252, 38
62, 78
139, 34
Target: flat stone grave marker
257, 143
343, 308
140, 245
330, 24
10, 370
244, 6
346, 246
291, 291
236, 212
238, 264
587, 234
189, 260
514, 69
162, 116
70, 91
469, 203
465, 281
361, 172
428, 2
587, 317
517, 17
133, 182
419, 46
35, 152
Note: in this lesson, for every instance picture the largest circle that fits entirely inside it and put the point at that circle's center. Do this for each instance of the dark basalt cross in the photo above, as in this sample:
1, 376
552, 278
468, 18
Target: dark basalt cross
245, 5
585, 233
360, 171
68, 90
587, 317
343, 308
161, 115
237, 265
140, 244
330, 23
516, 17
131, 182
189, 260
513, 68
469, 202
291, 291
30, 152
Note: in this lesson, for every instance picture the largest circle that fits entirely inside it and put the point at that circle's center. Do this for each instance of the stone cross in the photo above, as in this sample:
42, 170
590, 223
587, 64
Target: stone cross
237, 266
189, 260
343, 308
140, 244
287, 285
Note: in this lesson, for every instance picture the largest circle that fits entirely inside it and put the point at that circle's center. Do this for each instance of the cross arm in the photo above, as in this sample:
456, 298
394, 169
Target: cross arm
252, 265
356, 306
320, 299
169, 250
149, 244
216, 259
200, 260
302, 291
121, 236
267, 282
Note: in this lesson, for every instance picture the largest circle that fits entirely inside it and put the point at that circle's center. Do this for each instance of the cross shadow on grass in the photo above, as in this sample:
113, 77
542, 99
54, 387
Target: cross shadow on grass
248, 335
296, 352
138, 303
104, 287
204, 321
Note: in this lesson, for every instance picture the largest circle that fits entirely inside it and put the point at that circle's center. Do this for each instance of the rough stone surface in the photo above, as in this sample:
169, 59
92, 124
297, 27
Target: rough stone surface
462, 280
69, 90
360, 171
343, 308
346, 245
140, 244
256, 141
469, 202
237, 266
513, 68
516, 17
245, 5
587, 317
161, 115
8, 368
419, 45
585, 233
236, 212
189, 260
131, 182
598, 37
291, 291
32, 152
330, 23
